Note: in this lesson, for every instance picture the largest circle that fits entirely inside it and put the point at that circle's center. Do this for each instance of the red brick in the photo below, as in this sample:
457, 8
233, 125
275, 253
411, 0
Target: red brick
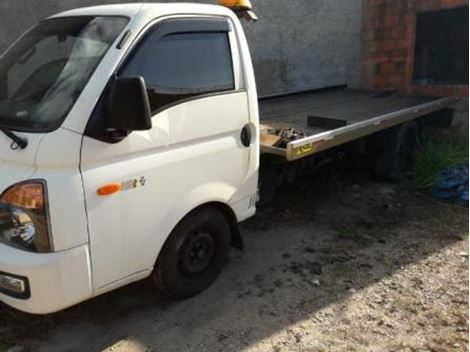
410, 20
380, 82
396, 79
388, 45
403, 21
402, 44
383, 34
387, 69
381, 57
463, 91
447, 4
440, 91
388, 81
389, 31
367, 38
378, 23
368, 23
398, 32
398, 7
411, 29
400, 66
376, 2
375, 11
399, 55
391, 20
426, 5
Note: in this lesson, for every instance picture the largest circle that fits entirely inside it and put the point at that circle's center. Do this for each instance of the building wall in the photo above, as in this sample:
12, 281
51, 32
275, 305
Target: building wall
388, 43
297, 44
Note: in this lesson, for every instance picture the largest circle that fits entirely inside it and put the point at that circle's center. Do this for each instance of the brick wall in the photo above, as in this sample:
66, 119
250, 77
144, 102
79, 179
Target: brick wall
388, 42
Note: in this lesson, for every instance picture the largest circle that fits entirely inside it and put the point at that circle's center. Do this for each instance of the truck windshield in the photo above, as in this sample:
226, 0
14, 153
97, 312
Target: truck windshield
43, 74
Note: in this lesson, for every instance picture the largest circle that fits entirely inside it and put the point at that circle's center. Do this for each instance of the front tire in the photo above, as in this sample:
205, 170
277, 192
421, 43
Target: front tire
194, 254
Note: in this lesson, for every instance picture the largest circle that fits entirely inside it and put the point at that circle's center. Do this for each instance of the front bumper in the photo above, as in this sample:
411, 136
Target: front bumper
55, 280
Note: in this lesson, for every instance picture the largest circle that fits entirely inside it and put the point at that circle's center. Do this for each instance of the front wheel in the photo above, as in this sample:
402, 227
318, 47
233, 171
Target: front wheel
194, 254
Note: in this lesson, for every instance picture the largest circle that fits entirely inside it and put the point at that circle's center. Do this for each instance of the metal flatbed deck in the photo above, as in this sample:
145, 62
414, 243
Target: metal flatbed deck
353, 113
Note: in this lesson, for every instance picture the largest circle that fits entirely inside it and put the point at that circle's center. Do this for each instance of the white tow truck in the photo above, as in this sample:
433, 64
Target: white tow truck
131, 147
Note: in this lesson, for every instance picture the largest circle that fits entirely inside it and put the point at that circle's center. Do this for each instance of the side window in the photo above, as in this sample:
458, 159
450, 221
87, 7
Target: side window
182, 65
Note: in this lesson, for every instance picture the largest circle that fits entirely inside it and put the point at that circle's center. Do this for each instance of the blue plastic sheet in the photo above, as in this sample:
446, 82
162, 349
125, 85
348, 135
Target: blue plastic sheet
453, 186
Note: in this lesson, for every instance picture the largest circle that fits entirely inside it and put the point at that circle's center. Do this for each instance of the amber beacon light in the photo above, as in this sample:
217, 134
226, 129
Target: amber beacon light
242, 7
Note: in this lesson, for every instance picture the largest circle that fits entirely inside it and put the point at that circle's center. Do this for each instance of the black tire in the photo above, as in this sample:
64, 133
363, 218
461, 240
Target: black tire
389, 167
194, 254
391, 164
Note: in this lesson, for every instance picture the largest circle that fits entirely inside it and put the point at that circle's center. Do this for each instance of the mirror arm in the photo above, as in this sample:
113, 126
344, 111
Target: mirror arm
116, 135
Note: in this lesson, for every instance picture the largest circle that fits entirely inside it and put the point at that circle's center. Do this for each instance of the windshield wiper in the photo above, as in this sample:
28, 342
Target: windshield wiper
18, 142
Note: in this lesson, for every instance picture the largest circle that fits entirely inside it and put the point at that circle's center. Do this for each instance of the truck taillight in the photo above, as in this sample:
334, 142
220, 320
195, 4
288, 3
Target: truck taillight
24, 217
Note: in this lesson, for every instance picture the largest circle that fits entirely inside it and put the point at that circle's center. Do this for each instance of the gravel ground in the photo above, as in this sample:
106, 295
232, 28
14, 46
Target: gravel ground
354, 266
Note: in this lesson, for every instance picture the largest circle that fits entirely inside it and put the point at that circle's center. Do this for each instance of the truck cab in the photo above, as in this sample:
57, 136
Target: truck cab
129, 148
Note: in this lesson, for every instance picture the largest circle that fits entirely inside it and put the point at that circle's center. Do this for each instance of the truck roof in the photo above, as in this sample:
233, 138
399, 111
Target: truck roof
149, 9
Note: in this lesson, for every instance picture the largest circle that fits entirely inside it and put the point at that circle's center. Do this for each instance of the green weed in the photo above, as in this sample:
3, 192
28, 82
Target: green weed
436, 156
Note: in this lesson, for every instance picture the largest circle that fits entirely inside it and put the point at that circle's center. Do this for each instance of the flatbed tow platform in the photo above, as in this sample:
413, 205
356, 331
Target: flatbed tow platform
300, 125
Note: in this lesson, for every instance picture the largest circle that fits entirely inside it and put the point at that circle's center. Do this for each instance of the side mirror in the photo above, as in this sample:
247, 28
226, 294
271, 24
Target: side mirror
128, 105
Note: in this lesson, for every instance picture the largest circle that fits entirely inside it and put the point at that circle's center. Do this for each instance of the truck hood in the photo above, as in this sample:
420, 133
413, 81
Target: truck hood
17, 165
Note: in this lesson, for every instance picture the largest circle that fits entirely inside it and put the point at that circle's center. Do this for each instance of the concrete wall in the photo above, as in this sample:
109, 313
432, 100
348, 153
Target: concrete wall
296, 45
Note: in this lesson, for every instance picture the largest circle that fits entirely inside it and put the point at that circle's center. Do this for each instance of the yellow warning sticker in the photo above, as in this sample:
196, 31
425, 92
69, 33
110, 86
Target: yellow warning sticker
305, 149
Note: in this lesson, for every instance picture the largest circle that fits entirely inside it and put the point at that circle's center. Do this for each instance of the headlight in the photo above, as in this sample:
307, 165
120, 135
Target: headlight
24, 217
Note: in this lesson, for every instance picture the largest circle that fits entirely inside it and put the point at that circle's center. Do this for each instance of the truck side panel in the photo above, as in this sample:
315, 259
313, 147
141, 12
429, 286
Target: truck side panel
164, 173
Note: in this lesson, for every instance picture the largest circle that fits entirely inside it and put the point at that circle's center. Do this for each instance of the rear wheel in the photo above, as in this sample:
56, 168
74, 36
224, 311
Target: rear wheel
194, 254
392, 162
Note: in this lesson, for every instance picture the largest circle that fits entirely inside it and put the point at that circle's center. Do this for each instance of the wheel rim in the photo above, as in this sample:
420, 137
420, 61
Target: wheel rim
196, 254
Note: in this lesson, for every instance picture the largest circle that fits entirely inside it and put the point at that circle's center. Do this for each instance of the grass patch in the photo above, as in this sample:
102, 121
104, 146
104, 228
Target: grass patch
436, 156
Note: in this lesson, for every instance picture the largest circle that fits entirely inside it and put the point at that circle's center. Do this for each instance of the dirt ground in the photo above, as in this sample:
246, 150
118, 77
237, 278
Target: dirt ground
351, 266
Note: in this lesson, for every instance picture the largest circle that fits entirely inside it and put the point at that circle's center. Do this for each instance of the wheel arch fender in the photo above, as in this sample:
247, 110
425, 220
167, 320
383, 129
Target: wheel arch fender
229, 213
217, 196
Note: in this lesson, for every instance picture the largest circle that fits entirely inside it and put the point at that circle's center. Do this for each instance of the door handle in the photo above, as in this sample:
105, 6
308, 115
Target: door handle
245, 136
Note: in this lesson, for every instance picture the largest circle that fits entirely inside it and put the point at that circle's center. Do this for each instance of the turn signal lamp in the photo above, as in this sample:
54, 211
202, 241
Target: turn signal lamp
241, 7
109, 189
27, 196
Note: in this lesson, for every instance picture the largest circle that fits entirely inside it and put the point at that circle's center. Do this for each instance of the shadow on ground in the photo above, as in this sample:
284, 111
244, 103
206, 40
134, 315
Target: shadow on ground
321, 240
